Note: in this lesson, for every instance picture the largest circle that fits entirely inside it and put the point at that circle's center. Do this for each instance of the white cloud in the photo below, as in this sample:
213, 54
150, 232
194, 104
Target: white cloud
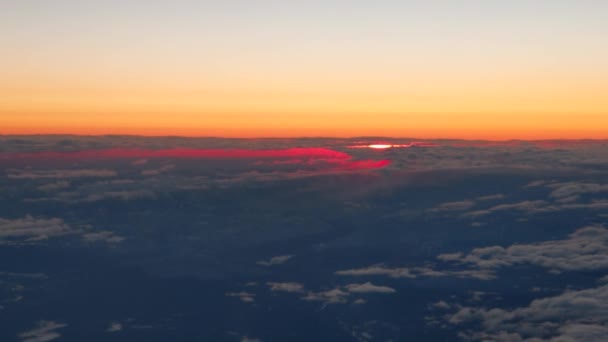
569, 189
45, 331
441, 305
585, 249
571, 316
277, 260
32, 229
245, 297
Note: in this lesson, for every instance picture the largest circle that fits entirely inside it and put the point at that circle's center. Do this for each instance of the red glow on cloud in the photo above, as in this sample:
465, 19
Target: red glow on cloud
303, 156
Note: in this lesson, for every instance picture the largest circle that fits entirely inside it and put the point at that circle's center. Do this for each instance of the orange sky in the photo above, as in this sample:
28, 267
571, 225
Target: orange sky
480, 70
466, 126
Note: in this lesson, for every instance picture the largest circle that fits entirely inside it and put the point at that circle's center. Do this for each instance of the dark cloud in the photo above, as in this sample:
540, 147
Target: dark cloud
41, 174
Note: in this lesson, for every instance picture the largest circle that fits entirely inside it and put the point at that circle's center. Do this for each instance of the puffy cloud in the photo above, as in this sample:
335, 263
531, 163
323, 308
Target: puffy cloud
31, 229
277, 260
45, 331
441, 305
245, 297
585, 249
571, 316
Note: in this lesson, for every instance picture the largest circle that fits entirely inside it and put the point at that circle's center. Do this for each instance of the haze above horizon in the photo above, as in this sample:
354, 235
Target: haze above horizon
490, 70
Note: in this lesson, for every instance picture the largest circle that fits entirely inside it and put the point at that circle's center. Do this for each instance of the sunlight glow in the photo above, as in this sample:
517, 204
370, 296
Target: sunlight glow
380, 146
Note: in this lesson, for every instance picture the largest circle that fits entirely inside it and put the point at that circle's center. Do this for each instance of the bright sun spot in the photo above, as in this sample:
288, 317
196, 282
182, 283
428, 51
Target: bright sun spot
380, 146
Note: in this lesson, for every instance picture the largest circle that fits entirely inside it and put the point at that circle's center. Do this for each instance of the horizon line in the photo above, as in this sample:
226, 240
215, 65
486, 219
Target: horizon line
109, 135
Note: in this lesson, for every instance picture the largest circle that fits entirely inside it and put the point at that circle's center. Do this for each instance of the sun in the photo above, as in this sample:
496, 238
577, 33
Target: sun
380, 146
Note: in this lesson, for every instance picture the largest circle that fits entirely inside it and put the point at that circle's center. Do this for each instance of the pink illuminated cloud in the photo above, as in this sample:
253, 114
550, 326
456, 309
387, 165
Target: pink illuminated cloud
303, 156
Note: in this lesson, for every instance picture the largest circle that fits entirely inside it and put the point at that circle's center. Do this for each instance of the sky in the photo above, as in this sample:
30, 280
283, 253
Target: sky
429, 69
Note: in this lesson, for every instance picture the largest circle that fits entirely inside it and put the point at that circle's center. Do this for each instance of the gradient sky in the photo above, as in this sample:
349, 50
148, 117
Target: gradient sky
455, 69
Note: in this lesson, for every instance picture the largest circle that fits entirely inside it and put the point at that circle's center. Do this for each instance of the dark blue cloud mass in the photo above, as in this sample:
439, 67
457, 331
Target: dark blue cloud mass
156, 239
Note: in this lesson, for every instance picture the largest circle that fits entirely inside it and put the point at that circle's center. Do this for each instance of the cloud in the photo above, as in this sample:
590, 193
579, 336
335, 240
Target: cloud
286, 287
31, 229
570, 189
140, 162
490, 197
454, 206
248, 339
441, 305
45, 331
525, 206
302, 155
155, 172
571, 316
114, 327
245, 297
414, 272
277, 260
584, 250
127, 195
54, 186
369, 288
334, 296
78, 173
102, 236
465, 204
339, 295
